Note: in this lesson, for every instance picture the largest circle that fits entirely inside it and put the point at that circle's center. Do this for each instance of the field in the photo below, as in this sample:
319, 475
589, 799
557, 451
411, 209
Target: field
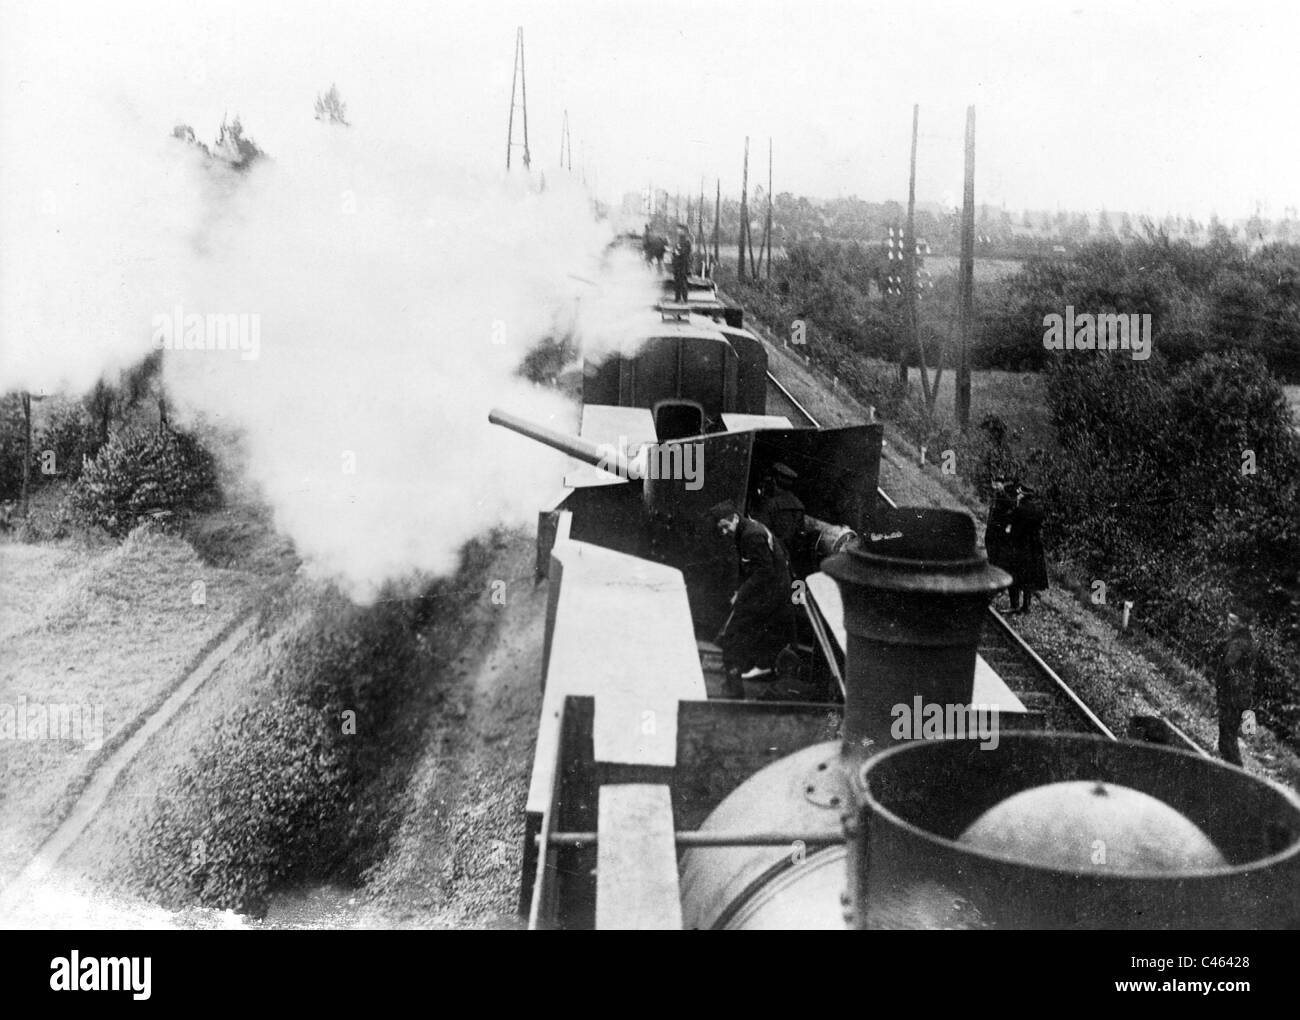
1018, 398
98, 636
986, 270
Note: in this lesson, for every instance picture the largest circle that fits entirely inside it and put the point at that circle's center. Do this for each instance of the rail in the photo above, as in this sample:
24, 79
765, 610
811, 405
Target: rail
1032, 659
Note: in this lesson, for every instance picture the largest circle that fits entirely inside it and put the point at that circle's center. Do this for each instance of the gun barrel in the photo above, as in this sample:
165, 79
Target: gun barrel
575, 446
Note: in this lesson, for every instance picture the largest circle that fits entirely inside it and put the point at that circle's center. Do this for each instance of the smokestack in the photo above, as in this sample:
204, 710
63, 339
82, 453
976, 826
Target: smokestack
914, 590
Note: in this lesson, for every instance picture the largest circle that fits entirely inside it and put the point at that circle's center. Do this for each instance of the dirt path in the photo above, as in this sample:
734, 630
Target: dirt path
16, 899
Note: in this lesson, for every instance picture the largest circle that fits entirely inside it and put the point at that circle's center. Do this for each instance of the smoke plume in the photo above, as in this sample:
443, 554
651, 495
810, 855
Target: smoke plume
349, 306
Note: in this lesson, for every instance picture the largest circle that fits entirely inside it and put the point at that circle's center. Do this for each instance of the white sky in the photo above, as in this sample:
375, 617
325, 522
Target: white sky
1159, 107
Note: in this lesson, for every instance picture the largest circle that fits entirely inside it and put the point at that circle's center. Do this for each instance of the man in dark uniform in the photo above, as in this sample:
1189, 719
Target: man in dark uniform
997, 533
681, 263
1027, 558
762, 620
1234, 682
781, 510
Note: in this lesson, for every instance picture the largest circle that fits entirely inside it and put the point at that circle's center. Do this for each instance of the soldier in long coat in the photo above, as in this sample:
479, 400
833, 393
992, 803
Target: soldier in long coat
762, 620
997, 532
1027, 559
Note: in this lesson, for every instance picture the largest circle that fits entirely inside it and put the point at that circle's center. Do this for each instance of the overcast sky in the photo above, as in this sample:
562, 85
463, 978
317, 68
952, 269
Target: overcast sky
1158, 107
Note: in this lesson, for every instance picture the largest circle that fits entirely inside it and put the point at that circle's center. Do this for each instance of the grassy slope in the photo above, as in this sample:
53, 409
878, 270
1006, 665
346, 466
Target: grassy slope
115, 628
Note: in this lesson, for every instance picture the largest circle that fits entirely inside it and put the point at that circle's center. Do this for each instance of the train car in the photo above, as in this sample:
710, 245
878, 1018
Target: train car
655, 804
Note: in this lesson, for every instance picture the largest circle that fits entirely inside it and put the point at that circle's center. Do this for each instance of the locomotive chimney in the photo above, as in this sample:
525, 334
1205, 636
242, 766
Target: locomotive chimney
914, 590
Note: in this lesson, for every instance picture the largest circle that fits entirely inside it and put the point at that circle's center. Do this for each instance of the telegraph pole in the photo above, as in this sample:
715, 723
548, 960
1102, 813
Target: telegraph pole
24, 500
767, 231
518, 86
717, 220
966, 281
909, 255
566, 145
701, 250
744, 215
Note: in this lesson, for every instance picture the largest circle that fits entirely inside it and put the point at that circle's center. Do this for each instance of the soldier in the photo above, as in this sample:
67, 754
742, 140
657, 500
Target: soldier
1027, 560
997, 532
781, 510
681, 263
1234, 683
762, 621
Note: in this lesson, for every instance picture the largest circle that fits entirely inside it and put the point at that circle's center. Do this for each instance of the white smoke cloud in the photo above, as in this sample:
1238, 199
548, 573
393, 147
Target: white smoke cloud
394, 295
396, 298
95, 217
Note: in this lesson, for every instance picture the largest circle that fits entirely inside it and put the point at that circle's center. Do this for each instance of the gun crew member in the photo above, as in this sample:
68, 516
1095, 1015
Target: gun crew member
762, 620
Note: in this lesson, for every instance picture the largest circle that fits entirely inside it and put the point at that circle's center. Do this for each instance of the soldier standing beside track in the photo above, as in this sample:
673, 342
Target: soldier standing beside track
762, 620
1234, 682
996, 533
1027, 560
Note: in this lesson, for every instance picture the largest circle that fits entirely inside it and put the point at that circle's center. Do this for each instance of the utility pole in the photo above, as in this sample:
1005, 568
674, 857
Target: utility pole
966, 281
767, 230
24, 499
744, 215
909, 258
518, 86
566, 145
717, 220
701, 250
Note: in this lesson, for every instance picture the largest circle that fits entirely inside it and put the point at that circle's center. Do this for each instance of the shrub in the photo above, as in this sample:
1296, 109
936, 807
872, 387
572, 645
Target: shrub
290, 789
140, 473
249, 811
1156, 495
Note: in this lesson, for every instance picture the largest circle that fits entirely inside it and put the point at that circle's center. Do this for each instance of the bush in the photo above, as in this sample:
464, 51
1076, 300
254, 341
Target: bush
250, 810
292, 789
143, 473
1156, 494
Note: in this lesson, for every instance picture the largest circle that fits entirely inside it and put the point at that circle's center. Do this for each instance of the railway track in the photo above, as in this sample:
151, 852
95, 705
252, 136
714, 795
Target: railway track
1034, 682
